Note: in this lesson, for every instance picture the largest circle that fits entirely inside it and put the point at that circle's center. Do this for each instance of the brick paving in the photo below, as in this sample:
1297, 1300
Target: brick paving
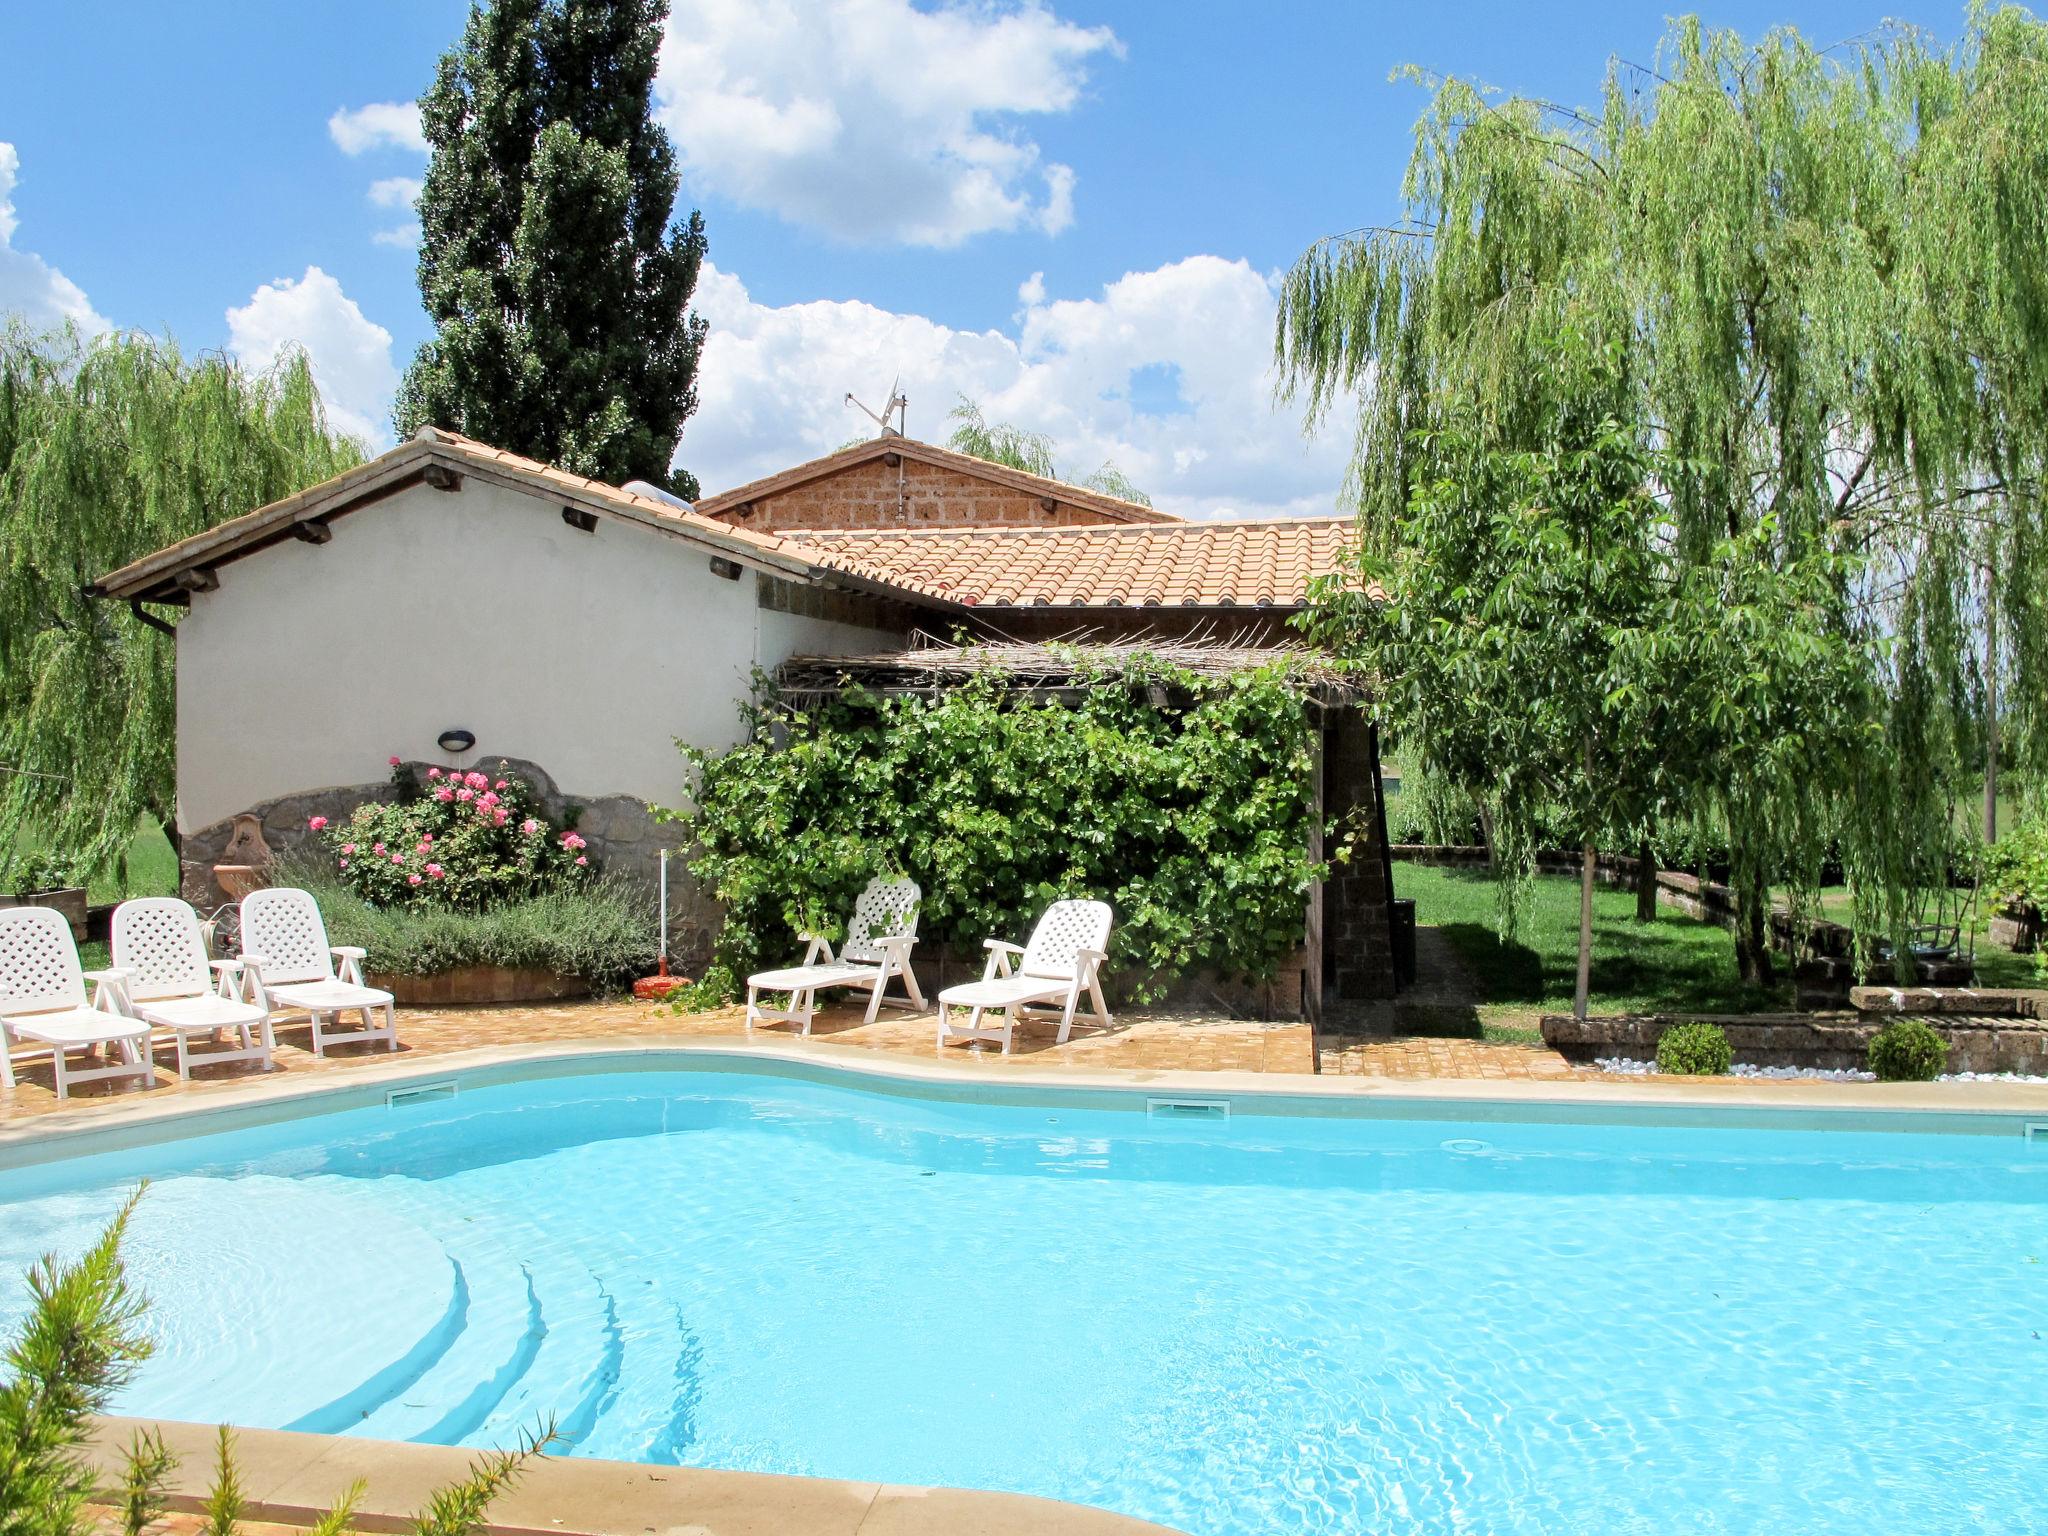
1137, 1041
1412, 1056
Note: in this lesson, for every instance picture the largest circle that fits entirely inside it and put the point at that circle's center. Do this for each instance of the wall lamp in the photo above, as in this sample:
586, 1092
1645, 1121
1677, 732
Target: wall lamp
729, 569
457, 741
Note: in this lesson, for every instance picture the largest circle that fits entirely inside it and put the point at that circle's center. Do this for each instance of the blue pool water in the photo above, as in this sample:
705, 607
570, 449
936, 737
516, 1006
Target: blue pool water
1265, 1325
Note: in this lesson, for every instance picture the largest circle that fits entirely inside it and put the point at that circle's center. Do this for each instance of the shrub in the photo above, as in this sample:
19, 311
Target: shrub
40, 870
1907, 1051
602, 931
1190, 817
461, 841
2015, 868
1694, 1050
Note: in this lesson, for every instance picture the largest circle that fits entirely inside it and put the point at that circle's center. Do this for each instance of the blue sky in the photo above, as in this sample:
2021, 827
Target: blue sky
1072, 211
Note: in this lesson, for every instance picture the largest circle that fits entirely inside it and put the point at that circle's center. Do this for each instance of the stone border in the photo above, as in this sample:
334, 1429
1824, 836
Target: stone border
293, 1478
1827, 1041
1993, 1109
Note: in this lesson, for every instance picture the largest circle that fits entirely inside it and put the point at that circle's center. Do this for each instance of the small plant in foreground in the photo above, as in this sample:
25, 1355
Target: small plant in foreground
1907, 1051
1694, 1050
79, 1345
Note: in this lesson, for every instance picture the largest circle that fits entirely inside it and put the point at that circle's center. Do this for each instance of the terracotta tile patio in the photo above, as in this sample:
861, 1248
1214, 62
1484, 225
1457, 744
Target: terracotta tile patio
1139, 1041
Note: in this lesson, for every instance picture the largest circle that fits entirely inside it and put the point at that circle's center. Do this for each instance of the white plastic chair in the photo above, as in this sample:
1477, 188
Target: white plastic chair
158, 945
1063, 959
42, 1001
879, 938
290, 964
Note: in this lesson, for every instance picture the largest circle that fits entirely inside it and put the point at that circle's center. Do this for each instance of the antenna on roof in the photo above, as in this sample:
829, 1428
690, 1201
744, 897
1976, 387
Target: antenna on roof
898, 406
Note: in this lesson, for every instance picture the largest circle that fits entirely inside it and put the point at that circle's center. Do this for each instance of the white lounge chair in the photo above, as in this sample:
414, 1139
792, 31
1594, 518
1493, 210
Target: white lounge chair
157, 944
290, 964
42, 1003
1063, 959
879, 938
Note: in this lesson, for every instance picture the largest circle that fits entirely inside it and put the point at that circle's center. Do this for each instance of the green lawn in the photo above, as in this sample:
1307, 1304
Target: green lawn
1675, 964
152, 867
152, 871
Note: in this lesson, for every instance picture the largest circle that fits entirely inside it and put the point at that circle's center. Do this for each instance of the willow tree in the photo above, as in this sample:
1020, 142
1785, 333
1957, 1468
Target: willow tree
1000, 442
110, 449
1821, 269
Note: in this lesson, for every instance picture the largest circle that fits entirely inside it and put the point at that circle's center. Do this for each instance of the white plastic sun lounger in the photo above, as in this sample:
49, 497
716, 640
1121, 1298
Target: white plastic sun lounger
290, 964
158, 947
879, 938
1063, 959
42, 1003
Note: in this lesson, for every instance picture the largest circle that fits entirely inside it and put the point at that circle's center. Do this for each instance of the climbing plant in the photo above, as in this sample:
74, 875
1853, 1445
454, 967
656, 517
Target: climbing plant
1818, 272
110, 449
1192, 819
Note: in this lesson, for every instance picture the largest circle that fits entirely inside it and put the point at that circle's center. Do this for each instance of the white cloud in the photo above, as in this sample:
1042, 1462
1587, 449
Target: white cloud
773, 383
396, 191
30, 286
350, 354
404, 236
872, 120
381, 124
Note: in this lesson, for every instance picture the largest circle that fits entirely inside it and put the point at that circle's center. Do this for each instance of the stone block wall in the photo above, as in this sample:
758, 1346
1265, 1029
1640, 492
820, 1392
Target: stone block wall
870, 495
624, 839
1357, 913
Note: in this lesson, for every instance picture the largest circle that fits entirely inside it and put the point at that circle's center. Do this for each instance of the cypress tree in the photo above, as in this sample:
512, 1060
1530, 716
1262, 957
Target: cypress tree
559, 286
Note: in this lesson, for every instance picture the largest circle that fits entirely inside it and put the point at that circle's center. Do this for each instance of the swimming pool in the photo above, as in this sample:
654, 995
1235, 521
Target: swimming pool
1257, 1323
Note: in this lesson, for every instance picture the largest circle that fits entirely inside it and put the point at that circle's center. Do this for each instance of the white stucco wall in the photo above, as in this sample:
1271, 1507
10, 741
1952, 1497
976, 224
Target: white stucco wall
479, 609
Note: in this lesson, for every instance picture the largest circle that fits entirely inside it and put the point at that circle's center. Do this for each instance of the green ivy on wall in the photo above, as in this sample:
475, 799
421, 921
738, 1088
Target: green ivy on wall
1191, 819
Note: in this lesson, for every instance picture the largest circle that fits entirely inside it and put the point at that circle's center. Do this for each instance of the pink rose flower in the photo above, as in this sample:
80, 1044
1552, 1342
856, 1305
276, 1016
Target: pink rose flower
499, 785
393, 762
444, 794
433, 773
344, 863
488, 797
571, 840
433, 871
476, 781
465, 794
412, 879
581, 860
529, 826
378, 850
348, 847
498, 816
316, 823
398, 858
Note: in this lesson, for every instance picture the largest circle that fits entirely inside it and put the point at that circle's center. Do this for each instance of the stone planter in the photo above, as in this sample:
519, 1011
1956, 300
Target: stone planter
474, 985
1976, 1043
70, 901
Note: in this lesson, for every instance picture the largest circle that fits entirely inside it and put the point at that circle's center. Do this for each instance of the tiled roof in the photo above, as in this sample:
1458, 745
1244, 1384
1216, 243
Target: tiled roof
1110, 508
1253, 564
151, 576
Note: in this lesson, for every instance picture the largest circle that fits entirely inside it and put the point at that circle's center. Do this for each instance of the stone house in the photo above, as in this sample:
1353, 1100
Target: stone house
449, 603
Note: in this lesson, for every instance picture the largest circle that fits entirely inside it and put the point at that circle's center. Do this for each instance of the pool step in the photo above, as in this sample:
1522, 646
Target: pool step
497, 1345
634, 1421
563, 1381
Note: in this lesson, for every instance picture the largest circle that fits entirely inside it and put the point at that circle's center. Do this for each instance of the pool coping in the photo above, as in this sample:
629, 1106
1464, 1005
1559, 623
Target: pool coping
292, 1478
1709, 1103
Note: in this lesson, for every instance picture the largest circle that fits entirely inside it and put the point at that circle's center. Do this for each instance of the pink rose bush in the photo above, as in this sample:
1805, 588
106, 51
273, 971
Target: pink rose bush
454, 839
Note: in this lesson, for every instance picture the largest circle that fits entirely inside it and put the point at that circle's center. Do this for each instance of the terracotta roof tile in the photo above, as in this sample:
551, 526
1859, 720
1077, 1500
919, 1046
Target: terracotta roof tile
1255, 564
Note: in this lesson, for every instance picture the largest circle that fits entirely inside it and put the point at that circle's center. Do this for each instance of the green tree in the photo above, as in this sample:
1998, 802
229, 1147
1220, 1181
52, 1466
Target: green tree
558, 286
1503, 622
1001, 443
1819, 270
109, 450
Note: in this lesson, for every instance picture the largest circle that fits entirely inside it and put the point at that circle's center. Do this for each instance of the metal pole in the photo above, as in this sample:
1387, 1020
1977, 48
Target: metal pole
662, 967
